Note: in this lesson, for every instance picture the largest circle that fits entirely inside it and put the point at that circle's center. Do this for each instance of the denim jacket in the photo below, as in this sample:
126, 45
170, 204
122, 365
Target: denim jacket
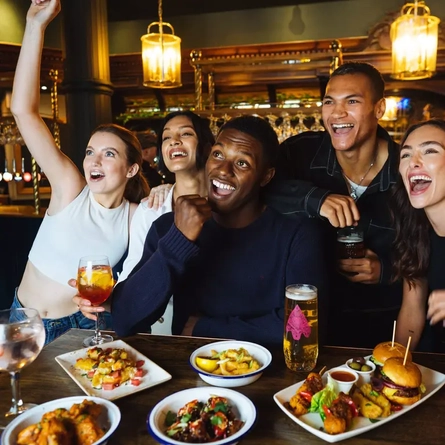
307, 172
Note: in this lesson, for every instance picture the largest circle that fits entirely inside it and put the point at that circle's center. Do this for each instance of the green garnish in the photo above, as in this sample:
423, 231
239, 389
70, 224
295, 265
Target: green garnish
374, 393
374, 420
170, 418
220, 407
185, 418
216, 420
240, 356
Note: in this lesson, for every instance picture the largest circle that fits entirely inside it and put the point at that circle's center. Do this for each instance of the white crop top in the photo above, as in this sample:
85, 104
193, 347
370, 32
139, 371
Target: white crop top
82, 228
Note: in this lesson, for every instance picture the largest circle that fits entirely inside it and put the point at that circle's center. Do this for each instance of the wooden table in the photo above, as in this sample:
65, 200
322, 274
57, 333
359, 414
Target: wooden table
45, 380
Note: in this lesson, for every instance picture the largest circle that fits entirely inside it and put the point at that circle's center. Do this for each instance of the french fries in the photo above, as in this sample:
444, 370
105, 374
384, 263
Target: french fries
378, 398
367, 408
372, 404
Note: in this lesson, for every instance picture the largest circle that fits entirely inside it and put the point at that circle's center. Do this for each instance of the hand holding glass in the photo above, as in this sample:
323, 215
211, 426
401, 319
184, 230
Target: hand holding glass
95, 283
22, 336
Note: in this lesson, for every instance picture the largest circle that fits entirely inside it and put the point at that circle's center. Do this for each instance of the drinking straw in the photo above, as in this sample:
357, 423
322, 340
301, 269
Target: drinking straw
407, 350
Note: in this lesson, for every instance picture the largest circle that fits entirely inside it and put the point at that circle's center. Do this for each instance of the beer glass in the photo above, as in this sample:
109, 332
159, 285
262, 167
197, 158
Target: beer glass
350, 243
95, 283
300, 343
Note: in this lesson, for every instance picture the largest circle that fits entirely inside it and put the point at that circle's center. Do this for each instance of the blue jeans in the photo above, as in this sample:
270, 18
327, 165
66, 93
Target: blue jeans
55, 327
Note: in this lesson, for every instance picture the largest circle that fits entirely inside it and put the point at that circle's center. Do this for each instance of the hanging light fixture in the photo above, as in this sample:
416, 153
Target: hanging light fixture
161, 56
414, 38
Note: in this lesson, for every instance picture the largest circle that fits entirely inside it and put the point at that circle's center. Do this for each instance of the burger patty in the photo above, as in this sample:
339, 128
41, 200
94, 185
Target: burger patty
407, 392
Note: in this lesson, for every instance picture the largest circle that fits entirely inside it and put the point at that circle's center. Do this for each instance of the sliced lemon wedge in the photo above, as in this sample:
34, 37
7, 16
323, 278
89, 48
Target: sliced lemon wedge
207, 364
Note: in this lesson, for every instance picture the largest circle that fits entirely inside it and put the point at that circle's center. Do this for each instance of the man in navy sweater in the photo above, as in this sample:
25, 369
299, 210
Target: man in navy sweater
226, 259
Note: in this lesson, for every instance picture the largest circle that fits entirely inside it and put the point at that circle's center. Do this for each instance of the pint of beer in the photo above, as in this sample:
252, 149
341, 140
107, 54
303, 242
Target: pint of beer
350, 243
300, 343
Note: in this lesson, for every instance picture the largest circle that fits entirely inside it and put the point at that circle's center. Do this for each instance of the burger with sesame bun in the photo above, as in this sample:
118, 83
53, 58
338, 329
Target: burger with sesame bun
387, 349
402, 383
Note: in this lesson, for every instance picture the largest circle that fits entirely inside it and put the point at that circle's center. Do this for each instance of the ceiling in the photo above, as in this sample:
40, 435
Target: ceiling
119, 10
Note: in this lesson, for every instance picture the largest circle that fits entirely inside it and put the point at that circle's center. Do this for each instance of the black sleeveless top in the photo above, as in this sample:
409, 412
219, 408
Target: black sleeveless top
436, 280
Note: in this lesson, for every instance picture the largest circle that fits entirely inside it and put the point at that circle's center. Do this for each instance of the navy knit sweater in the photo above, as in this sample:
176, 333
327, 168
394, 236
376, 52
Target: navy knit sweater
234, 279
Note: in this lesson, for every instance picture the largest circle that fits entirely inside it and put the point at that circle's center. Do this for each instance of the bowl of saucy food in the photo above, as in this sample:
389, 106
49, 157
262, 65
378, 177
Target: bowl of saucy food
230, 363
81, 420
202, 415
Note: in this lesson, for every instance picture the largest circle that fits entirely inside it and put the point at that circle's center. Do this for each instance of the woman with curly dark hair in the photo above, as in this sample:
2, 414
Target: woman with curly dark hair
419, 213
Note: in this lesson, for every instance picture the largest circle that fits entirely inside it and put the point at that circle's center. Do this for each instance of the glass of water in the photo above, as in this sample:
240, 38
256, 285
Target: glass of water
22, 336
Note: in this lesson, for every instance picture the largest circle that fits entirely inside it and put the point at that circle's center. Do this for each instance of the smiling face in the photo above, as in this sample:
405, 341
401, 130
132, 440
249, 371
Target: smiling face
422, 167
179, 143
350, 111
105, 164
236, 171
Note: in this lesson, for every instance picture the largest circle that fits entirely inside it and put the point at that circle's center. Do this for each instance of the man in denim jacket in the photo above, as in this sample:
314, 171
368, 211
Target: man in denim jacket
344, 176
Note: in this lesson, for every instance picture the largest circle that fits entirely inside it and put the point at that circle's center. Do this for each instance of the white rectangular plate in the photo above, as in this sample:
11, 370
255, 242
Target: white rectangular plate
312, 422
153, 374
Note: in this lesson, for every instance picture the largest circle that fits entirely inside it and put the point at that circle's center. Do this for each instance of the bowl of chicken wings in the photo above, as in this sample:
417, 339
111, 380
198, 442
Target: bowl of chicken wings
202, 415
71, 420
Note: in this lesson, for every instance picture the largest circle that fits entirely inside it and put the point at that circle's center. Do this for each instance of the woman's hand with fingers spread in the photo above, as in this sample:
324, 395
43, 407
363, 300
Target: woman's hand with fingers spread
83, 305
157, 196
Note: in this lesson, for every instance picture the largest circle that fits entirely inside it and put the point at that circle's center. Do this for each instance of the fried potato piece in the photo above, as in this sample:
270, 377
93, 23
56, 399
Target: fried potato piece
367, 408
378, 399
85, 364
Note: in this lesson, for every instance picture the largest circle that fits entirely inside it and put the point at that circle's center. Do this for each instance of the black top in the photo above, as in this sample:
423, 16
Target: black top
234, 278
307, 172
434, 337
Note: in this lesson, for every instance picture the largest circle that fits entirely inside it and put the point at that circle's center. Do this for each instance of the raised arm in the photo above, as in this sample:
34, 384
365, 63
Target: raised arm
65, 179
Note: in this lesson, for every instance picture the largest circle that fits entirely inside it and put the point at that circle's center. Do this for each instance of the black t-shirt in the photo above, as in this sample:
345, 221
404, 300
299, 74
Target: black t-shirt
436, 280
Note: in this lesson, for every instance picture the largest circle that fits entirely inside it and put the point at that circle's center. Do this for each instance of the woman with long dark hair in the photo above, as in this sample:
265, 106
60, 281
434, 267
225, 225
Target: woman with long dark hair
88, 214
184, 143
419, 212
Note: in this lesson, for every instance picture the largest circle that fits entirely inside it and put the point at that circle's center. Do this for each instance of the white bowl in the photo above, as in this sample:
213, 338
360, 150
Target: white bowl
109, 418
340, 384
259, 353
242, 407
363, 376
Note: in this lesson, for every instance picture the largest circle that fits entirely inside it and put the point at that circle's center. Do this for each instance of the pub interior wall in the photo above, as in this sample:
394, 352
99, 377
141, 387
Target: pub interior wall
328, 20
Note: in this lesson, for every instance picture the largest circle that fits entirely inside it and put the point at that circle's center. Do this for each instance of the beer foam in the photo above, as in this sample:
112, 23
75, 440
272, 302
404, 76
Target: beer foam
352, 239
301, 293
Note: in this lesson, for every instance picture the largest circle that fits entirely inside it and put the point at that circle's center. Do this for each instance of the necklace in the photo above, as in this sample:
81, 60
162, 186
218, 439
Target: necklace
353, 192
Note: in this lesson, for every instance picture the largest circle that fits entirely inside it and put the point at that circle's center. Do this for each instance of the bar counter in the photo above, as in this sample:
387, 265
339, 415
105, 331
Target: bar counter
45, 380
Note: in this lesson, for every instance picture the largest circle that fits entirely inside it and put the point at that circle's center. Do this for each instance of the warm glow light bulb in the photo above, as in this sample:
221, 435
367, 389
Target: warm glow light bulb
7, 176
27, 177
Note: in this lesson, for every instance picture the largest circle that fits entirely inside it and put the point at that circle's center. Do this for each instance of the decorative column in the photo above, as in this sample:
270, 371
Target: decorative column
211, 82
54, 76
87, 84
337, 58
195, 56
